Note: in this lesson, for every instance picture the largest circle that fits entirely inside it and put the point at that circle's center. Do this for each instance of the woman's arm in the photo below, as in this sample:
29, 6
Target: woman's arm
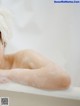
40, 72
45, 78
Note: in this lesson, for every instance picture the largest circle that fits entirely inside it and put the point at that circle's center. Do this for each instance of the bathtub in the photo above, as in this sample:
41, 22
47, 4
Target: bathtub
20, 95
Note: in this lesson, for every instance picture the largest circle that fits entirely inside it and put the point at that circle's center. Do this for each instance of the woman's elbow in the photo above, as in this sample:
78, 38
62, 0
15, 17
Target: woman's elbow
64, 81
56, 83
61, 83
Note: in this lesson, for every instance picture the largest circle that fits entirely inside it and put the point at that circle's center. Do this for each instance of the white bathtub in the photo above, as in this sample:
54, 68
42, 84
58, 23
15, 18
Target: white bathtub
20, 95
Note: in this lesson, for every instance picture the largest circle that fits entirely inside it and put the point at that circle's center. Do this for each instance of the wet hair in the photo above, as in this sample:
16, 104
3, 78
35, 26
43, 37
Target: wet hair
1, 39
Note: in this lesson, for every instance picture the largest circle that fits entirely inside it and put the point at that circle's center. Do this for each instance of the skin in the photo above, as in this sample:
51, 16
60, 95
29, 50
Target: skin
31, 68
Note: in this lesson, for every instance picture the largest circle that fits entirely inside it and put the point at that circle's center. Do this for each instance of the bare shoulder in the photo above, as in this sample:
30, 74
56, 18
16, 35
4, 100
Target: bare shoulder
23, 53
18, 55
29, 58
26, 52
31, 55
16, 59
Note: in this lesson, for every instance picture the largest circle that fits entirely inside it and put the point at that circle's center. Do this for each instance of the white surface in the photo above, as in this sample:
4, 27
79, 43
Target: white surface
71, 93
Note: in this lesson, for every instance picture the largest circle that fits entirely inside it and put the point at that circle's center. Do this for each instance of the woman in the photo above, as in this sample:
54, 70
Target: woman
30, 68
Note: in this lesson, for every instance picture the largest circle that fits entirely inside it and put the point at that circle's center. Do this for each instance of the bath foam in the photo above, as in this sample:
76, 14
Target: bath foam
6, 24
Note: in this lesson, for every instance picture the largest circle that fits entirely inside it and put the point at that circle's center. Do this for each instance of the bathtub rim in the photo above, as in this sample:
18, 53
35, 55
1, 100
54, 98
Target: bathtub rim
70, 93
